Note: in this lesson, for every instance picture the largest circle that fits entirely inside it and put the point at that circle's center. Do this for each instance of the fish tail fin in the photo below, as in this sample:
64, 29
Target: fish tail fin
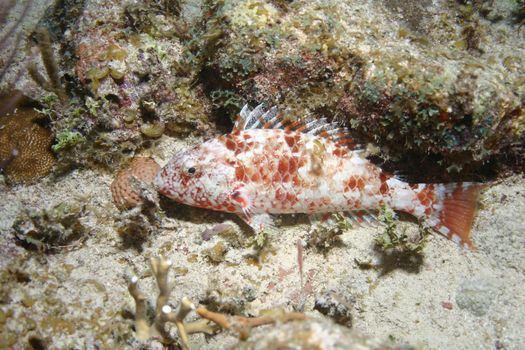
456, 211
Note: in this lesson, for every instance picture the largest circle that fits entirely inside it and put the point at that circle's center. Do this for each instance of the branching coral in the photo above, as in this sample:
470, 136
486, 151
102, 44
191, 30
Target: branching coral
163, 312
210, 321
242, 325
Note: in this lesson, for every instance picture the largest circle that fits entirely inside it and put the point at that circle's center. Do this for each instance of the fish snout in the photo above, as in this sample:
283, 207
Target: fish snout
158, 183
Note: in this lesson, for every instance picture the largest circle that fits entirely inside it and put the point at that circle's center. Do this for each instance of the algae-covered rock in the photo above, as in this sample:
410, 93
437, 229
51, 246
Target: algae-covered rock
421, 79
439, 83
337, 307
221, 297
51, 229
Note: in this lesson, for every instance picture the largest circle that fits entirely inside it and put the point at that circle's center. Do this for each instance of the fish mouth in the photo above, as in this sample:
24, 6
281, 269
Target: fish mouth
158, 182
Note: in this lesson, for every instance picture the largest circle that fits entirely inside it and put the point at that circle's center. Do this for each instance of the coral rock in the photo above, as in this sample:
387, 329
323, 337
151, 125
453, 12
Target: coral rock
52, 228
125, 195
25, 146
312, 334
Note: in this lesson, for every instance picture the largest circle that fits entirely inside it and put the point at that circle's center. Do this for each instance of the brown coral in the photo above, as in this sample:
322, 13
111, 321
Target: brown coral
125, 195
25, 146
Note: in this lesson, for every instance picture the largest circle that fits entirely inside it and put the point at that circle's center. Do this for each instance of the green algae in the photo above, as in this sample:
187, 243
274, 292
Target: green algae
67, 139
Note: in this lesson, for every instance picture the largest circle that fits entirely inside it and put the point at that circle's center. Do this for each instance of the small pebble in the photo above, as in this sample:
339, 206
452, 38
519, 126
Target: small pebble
334, 307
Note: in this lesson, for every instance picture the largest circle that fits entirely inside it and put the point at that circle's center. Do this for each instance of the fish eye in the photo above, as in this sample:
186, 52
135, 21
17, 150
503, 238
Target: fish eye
191, 170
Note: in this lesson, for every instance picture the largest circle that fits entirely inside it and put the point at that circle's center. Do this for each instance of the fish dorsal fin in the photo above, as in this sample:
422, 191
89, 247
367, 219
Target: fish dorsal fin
258, 118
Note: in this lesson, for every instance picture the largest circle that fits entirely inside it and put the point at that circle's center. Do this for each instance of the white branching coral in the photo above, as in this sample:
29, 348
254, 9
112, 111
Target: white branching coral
209, 323
163, 312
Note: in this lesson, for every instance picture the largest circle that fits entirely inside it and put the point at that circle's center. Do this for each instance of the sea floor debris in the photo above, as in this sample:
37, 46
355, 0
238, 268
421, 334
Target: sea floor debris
210, 322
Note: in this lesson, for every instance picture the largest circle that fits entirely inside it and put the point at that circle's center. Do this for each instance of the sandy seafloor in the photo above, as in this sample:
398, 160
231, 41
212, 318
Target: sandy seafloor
78, 298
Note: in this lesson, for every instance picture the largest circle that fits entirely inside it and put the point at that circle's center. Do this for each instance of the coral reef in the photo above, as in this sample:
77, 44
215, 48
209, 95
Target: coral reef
109, 90
436, 86
411, 81
128, 67
25, 145
151, 69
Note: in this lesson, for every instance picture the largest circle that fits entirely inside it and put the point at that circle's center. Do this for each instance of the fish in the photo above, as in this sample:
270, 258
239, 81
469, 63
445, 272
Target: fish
269, 165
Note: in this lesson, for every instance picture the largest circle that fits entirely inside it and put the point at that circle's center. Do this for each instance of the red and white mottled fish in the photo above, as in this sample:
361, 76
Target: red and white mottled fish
268, 165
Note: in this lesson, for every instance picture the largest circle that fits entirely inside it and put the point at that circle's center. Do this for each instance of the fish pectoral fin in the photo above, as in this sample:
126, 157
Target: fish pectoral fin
240, 196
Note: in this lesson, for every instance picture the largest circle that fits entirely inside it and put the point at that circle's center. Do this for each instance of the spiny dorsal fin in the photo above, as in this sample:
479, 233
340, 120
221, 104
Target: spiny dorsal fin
258, 118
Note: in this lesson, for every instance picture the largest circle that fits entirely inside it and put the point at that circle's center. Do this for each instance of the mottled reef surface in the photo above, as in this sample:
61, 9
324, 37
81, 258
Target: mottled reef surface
436, 88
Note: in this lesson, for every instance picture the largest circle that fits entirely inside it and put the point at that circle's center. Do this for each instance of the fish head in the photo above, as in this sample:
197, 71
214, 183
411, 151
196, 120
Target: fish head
199, 176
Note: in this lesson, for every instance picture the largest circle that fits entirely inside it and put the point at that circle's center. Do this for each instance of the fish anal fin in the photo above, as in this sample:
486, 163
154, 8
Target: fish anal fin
320, 218
362, 218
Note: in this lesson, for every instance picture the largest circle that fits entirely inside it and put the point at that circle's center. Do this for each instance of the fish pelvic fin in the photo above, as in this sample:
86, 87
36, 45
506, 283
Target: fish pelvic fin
457, 211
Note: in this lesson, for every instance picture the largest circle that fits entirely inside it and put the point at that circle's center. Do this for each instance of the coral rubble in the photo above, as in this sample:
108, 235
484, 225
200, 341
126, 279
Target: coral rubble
51, 229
